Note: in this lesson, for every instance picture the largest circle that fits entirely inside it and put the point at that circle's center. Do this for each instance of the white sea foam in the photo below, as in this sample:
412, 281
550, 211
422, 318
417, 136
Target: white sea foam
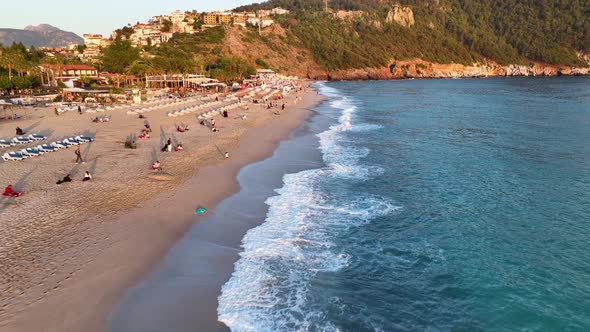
269, 289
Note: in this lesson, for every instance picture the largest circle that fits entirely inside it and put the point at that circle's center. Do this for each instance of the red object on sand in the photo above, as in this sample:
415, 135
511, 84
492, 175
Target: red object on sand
9, 192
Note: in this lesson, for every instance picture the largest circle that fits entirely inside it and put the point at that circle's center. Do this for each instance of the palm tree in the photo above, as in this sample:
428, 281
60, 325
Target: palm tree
11, 59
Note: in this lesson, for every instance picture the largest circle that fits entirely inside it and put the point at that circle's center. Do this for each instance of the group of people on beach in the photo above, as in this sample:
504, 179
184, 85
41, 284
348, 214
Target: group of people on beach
145, 134
181, 128
101, 119
67, 178
168, 146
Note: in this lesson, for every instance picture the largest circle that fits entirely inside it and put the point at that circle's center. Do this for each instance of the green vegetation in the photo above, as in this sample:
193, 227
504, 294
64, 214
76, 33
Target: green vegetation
445, 31
262, 63
117, 56
19, 67
183, 53
166, 26
126, 31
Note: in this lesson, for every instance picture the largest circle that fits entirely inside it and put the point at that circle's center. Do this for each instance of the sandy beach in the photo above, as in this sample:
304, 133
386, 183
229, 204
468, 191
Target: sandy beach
69, 252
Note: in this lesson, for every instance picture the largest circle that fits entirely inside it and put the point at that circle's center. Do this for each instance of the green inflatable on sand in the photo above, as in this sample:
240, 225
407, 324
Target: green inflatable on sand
200, 210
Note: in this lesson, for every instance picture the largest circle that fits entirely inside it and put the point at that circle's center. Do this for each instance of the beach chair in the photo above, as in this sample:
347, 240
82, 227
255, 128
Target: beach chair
29, 152
21, 140
37, 137
71, 141
18, 154
12, 156
58, 145
33, 152
4, 143
46, 148
85, 138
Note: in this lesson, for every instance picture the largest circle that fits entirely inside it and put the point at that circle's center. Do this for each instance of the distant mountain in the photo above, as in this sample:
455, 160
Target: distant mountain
43, 35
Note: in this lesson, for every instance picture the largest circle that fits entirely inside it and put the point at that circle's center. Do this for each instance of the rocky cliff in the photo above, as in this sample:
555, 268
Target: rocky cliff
417, 68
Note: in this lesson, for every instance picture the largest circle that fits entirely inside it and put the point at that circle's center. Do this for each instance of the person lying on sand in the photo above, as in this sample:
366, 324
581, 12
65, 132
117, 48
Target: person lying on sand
131, 145
87, 176
156, 166
66, 178
8, 191
178, 147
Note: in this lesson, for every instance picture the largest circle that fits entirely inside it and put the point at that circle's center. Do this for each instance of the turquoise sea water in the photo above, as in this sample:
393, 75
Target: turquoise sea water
442, 205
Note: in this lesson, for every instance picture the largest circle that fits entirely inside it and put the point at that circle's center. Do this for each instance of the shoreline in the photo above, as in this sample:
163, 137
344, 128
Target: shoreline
132, 242
182, 292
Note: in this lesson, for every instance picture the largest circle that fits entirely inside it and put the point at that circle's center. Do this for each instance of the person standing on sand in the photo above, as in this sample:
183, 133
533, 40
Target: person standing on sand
283, 107
78, 156
56, 111
226, 155
79, 110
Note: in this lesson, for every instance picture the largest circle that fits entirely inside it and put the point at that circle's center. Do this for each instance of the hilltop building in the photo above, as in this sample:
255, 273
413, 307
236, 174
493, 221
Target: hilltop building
159, 29
93, 44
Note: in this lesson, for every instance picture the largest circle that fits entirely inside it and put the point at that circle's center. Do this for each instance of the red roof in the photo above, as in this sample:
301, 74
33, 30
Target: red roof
70, 67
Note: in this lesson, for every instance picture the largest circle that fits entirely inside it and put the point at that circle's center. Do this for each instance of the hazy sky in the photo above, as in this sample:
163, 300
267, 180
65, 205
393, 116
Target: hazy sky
99, 16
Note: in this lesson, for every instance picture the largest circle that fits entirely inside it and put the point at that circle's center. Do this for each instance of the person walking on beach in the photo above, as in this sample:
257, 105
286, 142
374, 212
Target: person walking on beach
56, 111
226, 155
79, 110
78, 156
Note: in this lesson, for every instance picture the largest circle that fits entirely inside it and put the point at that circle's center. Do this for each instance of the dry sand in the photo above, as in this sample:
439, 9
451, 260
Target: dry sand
68, 252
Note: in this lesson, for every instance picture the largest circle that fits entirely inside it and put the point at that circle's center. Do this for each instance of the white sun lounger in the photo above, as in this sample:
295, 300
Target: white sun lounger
12, 156
46, 148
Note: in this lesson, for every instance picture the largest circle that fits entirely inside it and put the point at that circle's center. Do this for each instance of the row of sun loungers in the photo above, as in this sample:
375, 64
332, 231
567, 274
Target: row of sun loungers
148, 107
21, 140
46, 148
218, 111
157, 104
188, 110
192, 109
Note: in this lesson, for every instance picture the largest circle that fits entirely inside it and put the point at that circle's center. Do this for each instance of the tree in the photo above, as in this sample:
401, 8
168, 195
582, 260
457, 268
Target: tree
166, 26
12, 59
117, 56
198, 23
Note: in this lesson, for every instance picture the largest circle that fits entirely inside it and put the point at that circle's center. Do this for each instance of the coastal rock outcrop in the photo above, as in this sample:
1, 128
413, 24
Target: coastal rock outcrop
417, 68
403, 16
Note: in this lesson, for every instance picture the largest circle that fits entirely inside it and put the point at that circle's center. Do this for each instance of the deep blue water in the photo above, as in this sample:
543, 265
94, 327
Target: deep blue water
443, 205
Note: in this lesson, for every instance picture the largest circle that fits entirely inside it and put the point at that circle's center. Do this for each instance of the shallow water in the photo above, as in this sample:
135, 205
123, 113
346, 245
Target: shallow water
441, 205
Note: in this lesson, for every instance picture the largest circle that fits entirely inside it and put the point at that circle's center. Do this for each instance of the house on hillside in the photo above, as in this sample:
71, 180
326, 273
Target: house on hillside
93, 43
279, 11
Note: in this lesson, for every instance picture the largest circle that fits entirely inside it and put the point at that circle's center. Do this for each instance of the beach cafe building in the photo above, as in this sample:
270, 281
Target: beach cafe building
177, 81
67, 74
265, 74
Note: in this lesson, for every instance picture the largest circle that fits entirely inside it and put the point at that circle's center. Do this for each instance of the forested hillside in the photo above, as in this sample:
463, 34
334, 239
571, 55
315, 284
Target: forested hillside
445, 31
355, 39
